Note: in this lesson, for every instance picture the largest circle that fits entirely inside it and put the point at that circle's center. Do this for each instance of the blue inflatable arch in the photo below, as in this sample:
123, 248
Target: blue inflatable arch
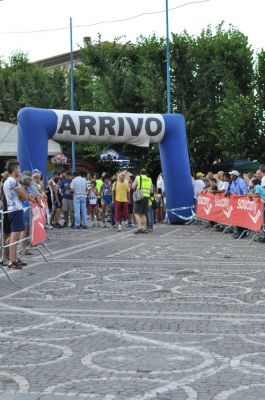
36, 126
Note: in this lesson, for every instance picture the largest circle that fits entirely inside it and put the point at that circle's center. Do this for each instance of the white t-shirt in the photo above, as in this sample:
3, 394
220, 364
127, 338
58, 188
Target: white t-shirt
160, 183
198, 186
13, 202
79, 186
222, 185
263, 181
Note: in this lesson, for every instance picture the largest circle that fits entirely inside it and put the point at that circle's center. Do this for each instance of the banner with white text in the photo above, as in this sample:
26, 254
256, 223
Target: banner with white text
242, 211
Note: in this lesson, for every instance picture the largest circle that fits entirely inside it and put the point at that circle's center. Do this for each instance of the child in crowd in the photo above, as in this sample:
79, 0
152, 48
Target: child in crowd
92, 200
106, 195
160, 205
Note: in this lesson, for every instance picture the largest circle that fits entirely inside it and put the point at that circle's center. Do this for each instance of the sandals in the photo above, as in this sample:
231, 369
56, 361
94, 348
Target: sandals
14, 265
17, 264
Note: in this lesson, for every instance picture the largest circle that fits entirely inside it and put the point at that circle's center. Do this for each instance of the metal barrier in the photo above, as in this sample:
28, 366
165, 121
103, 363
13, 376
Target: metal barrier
28, 238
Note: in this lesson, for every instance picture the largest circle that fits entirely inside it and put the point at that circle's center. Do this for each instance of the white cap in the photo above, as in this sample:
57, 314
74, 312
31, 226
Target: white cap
234, 172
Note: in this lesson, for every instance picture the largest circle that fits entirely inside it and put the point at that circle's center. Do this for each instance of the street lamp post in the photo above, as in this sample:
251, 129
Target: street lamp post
168, 62
72, 87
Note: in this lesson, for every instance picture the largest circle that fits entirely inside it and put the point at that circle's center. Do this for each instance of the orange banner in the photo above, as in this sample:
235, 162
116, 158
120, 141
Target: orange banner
235, 210
38, 234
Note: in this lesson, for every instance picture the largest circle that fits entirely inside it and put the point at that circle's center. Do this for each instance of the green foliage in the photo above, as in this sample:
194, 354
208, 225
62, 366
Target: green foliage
27, 85
216, 82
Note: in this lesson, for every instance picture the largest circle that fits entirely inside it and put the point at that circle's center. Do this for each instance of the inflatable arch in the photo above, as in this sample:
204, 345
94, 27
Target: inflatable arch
36, 126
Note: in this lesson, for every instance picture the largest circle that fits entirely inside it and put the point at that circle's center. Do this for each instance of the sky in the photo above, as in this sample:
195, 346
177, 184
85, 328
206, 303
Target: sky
41, 28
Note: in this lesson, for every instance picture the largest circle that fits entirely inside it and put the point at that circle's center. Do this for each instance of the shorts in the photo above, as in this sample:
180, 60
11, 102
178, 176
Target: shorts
6, 224
92, 206
68, 205
16, 219
55, 205
141, 207
130, 208
107, 199
99, 202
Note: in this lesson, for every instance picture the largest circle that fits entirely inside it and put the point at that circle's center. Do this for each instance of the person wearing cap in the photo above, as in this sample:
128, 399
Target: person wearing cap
237, 186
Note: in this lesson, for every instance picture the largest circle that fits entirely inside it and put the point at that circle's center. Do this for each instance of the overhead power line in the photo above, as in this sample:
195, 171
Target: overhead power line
104, 22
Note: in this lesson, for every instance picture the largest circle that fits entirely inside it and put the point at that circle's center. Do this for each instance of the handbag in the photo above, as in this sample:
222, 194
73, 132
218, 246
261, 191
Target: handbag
137, 194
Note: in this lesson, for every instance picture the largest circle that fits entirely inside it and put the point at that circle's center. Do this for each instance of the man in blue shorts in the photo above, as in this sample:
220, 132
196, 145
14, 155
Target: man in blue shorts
14, 194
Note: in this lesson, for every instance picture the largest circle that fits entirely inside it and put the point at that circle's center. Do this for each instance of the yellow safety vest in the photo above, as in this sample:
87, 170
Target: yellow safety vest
144, 185
99, 183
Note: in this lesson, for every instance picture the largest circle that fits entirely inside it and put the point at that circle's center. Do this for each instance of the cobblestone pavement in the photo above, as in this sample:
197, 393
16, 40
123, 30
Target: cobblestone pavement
177, 314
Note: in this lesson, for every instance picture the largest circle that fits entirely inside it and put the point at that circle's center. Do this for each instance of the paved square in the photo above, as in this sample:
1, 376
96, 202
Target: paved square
177, 314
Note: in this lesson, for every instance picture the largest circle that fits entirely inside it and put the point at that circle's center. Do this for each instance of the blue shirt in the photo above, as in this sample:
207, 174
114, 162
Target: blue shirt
260, 191
65, 186
238, 186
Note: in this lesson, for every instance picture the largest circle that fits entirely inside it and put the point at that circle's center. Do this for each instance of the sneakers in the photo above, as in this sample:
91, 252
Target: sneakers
119, 227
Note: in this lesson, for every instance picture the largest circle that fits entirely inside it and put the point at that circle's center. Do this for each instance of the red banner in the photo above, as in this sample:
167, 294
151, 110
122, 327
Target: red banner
243, 211
38, 234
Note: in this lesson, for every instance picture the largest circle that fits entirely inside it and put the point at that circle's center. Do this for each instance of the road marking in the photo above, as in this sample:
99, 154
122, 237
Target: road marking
123, 251
169, 233
36, 284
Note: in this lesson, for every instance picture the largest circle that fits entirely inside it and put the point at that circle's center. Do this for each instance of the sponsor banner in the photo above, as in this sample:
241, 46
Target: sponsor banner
235, 210
38, 233
99, 127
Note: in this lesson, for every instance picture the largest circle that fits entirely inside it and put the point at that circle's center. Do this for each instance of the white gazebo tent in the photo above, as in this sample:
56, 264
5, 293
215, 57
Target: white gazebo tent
8, 142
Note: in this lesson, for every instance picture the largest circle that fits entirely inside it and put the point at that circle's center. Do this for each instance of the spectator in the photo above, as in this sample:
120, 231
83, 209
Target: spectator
160, 183
160, 206
92, 199
56, 203
258, 174
144, 184
79, 188
67, 199
13, 193
198, 185
120, 197
223, 183
6, 224
237, 186
258, 190
130, 203
28, 187
262, 169
106, 198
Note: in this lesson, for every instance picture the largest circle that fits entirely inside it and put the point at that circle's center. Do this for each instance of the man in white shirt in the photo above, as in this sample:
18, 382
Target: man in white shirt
79, 188
198, 184
14, 195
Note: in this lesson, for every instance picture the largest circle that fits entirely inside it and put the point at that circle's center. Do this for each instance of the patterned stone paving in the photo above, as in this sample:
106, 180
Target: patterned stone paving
177, 314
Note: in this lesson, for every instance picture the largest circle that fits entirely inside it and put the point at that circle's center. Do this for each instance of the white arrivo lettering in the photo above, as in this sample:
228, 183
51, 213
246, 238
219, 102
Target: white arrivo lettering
99, 127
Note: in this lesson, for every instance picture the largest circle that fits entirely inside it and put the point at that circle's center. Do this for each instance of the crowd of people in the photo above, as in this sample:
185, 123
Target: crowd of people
250, 184
78, 200
84, 200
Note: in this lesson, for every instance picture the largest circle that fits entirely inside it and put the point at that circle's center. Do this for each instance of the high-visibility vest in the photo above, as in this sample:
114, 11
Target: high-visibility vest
99, 183
144, 184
